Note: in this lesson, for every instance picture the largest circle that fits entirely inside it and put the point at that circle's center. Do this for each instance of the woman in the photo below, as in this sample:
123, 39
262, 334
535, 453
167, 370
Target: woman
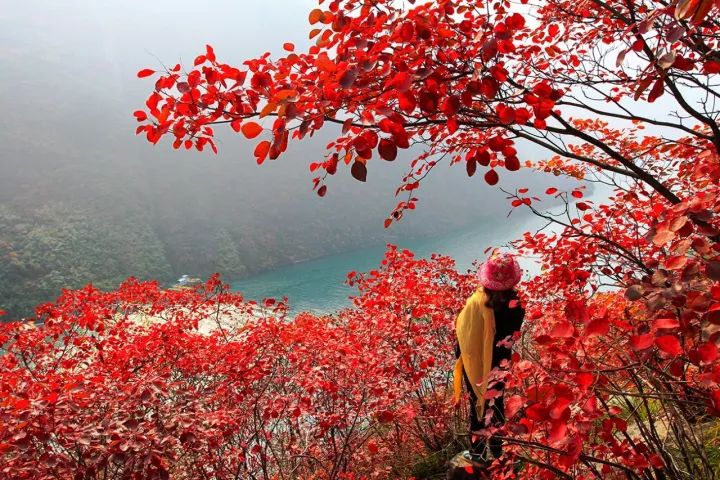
490, 315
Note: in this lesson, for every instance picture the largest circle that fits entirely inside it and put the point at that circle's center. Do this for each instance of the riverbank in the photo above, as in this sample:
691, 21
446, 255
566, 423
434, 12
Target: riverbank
318, 285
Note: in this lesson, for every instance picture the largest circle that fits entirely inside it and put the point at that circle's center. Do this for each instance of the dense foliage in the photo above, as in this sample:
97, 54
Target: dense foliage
146, 383
58, 247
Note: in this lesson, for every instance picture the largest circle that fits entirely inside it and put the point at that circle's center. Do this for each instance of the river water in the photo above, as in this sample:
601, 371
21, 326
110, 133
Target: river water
318, 285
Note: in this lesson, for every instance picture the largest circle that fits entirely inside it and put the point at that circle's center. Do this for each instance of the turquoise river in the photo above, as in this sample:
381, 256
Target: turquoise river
318, 285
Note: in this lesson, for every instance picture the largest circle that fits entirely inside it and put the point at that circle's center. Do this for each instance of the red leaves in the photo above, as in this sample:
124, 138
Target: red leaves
657, 90
642, 85
489, 87
388, 126
513, 406
662, 237
406, 102
714, 403
347, 78
21, 404
584, 380
582, 206
711, 67
482, 157
251, 130
428, 102
373, 447
364, 144
707, 353
515, 21
497, 143
597, 327
669, 344
489, 49
471, 166
512, 164
261, 80
209, 53
634, 292
505, 114
183, 87
665, 323
694, 10
559, 410
491, 177
316, 16
558, 431
499, 73
146, 72
400, 82
522, 116
536, 412
450, 106
563, 330
359, 171
676, 262
387, 149
642, 342
386, 416
261, 151
712, 270
190, 378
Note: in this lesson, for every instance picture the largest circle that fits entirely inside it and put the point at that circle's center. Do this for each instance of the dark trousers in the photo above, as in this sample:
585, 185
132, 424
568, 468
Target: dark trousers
480, 446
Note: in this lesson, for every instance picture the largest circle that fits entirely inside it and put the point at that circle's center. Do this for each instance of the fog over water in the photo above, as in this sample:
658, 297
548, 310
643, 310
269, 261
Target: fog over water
82, 199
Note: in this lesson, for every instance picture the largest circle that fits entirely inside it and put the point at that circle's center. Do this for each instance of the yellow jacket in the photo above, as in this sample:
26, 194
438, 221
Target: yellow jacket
475, 330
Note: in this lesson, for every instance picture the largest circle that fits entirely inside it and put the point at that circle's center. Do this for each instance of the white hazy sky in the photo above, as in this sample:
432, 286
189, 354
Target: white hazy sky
68, 89
120, 37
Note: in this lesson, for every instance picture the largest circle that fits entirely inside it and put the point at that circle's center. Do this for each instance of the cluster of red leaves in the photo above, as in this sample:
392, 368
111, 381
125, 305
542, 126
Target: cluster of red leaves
466, 80
607, 380
147, 383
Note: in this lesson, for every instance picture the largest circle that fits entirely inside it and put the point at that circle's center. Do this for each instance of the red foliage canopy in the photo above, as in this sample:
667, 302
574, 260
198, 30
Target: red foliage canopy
466, 80
149, 383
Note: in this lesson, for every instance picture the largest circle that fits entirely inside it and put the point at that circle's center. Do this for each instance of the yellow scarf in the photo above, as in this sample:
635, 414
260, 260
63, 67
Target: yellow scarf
475, 330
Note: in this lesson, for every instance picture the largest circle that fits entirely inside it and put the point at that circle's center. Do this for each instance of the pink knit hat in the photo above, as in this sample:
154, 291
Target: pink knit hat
500, 272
